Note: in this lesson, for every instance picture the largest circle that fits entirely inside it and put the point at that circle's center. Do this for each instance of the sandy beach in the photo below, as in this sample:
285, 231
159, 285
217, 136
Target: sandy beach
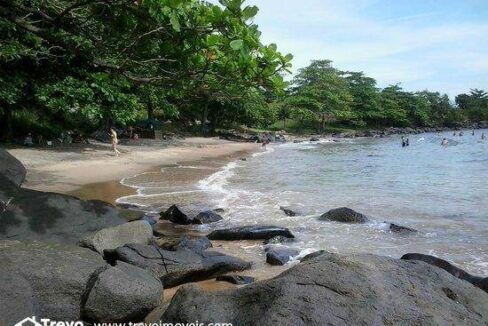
94, 166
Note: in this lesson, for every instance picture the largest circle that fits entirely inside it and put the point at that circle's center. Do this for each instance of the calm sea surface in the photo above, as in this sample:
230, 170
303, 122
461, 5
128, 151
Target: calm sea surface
440, 191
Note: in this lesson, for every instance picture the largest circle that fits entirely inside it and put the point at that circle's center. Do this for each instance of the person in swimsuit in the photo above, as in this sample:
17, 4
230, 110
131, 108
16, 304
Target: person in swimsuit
115, 141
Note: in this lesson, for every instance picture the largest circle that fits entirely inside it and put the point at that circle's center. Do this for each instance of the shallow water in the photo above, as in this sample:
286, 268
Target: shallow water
440, 191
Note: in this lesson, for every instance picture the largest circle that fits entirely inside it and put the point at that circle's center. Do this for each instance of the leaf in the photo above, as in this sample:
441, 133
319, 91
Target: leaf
288, 57
236, 44
174, 22
213, 39
250, 12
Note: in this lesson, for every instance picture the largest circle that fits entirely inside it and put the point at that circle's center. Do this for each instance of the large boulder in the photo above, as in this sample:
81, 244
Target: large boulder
131, 292
251, 232
344, 215
340, 290
481, 282
177, 215
42, 216
55, 281
177, 267
117, 236
11, 170
206, 217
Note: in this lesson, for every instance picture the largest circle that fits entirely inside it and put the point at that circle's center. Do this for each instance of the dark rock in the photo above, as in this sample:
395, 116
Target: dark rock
117, 236
289, 211
197, 244
339, 290
243, 159
280, 255
344, 215
278, 239
206, 217
252, 232
313, 255
190, 215
481, 282
177, 267
219, 210
176, 215
11, 170
400, 229
55, 277
236, 279
131, 291
35, 215
314, 139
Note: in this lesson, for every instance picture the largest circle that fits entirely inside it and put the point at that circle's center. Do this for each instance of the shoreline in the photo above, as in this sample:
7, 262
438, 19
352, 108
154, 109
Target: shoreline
79, 170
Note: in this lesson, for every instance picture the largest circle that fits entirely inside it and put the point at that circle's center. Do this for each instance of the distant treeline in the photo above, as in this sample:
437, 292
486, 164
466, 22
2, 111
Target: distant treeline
322, 94
77, 64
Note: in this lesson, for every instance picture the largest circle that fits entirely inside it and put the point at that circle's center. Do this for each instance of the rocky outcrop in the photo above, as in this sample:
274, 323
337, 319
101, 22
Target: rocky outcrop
252, 232
278, 255
189, 215
177, 267
57, 281
481, 282
117, 236
35, 215
340, 290
197, 244
235, 279
344, 215
395, 228
11, 170
123, 293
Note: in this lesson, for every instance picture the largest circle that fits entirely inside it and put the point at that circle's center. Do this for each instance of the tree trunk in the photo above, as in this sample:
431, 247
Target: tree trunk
6, 134
205, 117
150, 109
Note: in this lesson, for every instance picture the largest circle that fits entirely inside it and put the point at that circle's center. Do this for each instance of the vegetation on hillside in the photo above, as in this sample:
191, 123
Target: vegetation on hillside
89, 64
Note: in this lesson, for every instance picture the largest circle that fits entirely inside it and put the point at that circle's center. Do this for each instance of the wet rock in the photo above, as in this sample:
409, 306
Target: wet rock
176, 215
313, 255
280, 255
190, 215
400, 229
314, 139
206, 217
114, 237
131, 291
290, 211
278, 239
481, 282
344, 215
177, 267
197, 244
236, 279
252, 232
340, 290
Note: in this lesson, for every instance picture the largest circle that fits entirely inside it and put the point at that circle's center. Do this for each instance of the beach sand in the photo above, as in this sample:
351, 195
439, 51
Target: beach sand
66, 170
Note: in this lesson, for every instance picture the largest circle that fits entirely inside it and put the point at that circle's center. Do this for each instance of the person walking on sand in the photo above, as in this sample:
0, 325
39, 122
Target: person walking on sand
115, 141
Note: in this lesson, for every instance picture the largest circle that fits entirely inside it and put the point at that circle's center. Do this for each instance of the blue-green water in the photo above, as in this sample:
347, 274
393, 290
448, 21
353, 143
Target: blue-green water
440, 191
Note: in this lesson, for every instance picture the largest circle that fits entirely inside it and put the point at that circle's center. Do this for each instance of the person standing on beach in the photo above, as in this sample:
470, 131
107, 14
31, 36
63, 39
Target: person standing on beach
115, 141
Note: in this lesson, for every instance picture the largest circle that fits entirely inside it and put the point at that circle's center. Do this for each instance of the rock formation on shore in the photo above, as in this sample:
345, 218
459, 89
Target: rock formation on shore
334, 289
250, 232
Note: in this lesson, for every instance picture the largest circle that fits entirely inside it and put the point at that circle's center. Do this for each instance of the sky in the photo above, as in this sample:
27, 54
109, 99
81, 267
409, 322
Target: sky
423, 44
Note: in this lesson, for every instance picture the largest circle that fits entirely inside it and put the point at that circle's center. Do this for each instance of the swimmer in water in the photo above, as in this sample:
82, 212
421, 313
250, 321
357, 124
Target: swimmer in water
454, 133
461, 134
483, 137
403, 142
445, 142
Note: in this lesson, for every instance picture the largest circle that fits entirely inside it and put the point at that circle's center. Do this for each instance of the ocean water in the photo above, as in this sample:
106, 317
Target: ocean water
440, 191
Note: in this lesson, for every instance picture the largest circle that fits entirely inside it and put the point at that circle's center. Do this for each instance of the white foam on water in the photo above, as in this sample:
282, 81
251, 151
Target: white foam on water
269, 149
216, 182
